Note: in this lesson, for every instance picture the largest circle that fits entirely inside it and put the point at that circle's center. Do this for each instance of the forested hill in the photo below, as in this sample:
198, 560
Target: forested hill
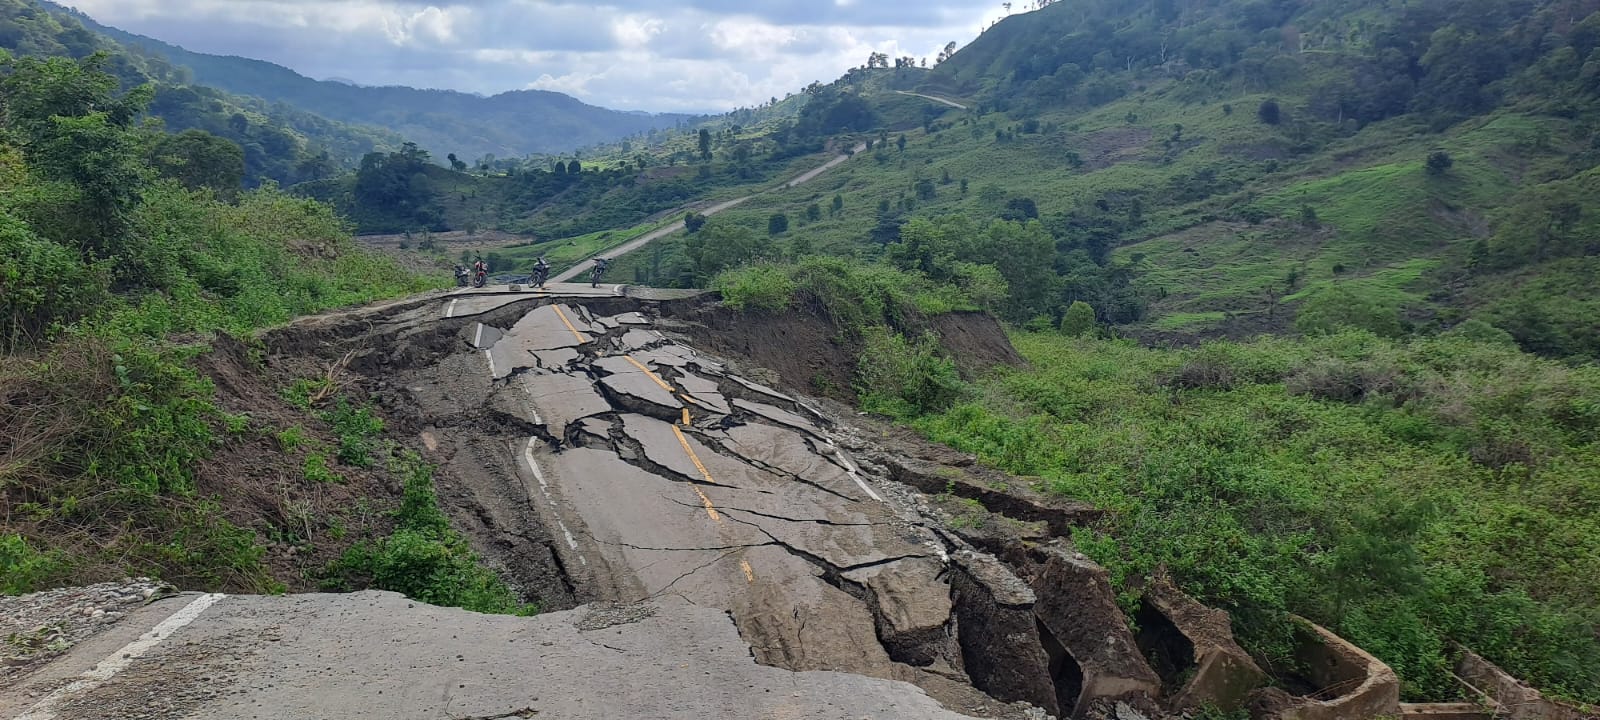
279, 143
443, 122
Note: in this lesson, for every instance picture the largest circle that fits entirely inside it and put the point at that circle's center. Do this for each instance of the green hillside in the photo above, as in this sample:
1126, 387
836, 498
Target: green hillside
511, 124
1215, 168
280, 143
1362, 219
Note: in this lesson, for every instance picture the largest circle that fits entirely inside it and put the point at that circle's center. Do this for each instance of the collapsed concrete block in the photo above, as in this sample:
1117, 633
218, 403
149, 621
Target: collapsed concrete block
913, 620
1349, 683
1079, 615
1516, 699
1000, 644
1184, 635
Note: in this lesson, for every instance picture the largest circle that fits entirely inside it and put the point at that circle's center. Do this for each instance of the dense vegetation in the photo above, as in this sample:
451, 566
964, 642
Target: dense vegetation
280, 143
1406, 493
512, 124
123, 249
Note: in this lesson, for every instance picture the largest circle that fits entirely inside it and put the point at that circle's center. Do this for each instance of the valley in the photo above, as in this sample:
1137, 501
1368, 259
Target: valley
1140, 360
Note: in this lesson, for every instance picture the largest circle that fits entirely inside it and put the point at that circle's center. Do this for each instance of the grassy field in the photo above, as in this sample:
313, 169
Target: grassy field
1406, 494
1239, 219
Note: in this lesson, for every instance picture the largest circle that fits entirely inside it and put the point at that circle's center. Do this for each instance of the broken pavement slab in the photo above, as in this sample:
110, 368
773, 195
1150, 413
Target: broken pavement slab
638, 389
559, 399
1351, 682
1078, 609
1000, 644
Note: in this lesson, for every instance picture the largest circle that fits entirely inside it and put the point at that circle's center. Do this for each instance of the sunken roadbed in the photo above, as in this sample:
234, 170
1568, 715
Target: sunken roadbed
704, 545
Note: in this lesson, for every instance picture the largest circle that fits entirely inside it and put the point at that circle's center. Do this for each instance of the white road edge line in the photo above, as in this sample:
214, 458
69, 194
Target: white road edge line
477, 338
544, 487
118, 661
493, 373
850, 469
450, 312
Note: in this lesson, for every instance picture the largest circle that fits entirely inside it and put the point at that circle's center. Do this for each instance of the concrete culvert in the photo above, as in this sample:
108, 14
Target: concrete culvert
1335, 680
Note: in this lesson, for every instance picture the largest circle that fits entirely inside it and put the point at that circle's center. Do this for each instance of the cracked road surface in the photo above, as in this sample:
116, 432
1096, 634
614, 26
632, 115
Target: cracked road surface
671, 477
736, 561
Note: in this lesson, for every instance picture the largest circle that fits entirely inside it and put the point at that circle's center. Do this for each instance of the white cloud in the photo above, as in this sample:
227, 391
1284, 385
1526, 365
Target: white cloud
667, 55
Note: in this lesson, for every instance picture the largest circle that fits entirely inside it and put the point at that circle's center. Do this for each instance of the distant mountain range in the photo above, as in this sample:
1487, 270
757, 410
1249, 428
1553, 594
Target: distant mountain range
442, 121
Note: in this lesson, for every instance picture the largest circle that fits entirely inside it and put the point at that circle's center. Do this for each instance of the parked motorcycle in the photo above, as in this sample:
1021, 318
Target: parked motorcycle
600, 265
462, 276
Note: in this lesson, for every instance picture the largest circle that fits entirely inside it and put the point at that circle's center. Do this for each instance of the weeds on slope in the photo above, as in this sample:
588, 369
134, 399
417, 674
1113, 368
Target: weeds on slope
1406, 494
424, 559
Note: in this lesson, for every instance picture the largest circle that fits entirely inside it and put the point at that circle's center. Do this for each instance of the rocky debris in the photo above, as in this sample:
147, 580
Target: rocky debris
1349, 682
43, 625
1197, 657
601, 616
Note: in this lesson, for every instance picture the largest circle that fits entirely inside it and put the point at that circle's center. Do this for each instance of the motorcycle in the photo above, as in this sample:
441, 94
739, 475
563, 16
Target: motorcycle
599, 269
462, 276
482, 278
540, 274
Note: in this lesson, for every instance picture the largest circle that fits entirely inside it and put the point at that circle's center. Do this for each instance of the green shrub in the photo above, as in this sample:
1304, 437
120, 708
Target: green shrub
1079, 319
766, 288
356, 429
23, 568
424, 558
904, 379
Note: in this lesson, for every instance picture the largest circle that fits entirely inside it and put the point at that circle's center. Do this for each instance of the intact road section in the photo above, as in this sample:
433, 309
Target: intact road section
581, 270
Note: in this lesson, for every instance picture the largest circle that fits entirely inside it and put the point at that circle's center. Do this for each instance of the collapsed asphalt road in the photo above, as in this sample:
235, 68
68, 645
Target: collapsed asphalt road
727, 552
661, 473
705, 545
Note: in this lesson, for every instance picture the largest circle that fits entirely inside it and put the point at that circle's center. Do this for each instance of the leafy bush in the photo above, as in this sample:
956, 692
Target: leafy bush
1407, 495
424, 558
24, 569
766, 288
355, 428
904, 379
1078, 320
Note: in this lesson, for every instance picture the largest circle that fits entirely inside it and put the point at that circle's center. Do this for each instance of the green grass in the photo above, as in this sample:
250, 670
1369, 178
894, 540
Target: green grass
564, 254
424, 559
1404, 493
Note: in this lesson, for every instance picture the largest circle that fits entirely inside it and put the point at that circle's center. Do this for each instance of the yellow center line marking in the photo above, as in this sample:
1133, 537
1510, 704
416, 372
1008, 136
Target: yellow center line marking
684, 441
646, 371
686, 417
749, 574
568, 323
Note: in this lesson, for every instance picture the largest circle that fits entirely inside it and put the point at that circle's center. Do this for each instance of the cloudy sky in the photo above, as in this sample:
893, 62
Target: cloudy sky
660, 55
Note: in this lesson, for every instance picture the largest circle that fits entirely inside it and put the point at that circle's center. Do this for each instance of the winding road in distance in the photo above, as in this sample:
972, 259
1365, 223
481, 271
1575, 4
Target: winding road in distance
583, 266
